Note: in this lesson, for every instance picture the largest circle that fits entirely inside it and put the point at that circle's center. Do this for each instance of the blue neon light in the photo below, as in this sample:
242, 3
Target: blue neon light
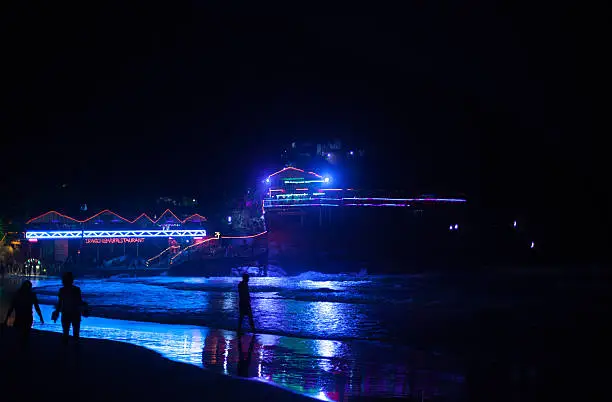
77, 234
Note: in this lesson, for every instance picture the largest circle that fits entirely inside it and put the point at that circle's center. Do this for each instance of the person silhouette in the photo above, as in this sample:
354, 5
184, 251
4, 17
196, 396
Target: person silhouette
22, 304
244, 361
244, 303
71, 305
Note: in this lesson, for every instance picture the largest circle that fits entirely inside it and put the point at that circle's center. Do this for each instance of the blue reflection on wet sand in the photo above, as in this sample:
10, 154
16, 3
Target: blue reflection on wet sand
323, 369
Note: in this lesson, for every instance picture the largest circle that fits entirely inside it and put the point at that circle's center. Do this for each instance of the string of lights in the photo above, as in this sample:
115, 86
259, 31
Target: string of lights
193, 245
162, 253
167, 211
217, 237
285, 169
245, 237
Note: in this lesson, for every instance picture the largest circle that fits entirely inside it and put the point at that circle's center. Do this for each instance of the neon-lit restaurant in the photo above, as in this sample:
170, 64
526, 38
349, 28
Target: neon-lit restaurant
107, 239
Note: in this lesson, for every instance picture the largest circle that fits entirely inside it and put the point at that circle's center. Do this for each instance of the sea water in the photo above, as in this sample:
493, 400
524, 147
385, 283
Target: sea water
333, 337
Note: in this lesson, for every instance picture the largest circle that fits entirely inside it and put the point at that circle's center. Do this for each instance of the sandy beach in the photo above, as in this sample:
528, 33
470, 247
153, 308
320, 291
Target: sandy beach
101, 370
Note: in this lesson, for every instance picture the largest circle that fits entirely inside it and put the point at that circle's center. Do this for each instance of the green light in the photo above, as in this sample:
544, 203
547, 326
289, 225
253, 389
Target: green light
304, 182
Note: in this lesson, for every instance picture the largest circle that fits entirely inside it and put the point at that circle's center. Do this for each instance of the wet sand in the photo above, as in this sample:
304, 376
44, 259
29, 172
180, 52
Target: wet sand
102, 370
322, 369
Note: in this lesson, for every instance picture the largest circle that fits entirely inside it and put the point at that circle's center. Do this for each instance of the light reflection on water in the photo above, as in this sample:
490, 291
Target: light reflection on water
316, 306
323, 369
342, 315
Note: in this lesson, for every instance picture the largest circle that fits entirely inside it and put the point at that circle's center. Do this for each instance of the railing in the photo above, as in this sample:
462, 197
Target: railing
353, 202
303, 202
158, 257
75, 234
189, 249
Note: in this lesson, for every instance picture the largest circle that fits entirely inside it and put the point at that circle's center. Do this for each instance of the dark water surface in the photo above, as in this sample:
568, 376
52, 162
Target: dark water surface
339, 337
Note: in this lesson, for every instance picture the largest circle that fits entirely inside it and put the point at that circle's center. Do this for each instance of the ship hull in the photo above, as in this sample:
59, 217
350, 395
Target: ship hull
385, 240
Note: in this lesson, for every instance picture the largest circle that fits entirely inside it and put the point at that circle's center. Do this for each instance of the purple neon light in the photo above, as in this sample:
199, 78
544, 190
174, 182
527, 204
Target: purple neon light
302, 205
288, 200
407, 199
336, 205
357, 202
377, 205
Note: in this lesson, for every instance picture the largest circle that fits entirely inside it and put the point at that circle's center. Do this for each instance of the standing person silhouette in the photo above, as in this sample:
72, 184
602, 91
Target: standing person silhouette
244, 303
22, 304
70, 304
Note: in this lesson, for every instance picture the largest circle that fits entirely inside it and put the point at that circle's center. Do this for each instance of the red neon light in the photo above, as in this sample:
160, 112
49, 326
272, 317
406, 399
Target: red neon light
215, 238
244, 237
195, 216
299, 170
330, 189
277, 189
301, 189
115, 240
33, 240
158, 255
284, 169
193, 245
171, 213
141, 215
76, 220
118, 216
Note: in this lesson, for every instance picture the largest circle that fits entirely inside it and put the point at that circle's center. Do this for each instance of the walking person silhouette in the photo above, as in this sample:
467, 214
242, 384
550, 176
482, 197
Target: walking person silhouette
22, 304
71, 305
244, 303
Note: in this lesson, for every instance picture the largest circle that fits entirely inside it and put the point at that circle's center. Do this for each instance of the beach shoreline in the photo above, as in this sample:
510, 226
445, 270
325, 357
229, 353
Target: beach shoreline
315, 368
501, 350
108, 370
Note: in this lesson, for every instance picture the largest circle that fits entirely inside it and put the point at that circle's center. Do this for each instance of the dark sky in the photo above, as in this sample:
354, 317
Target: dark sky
126, 104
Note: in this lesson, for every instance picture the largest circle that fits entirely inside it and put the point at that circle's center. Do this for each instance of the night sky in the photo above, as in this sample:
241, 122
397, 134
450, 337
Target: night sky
128, 104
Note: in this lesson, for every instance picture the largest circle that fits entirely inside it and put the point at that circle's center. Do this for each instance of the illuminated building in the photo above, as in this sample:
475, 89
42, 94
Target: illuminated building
107, 239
